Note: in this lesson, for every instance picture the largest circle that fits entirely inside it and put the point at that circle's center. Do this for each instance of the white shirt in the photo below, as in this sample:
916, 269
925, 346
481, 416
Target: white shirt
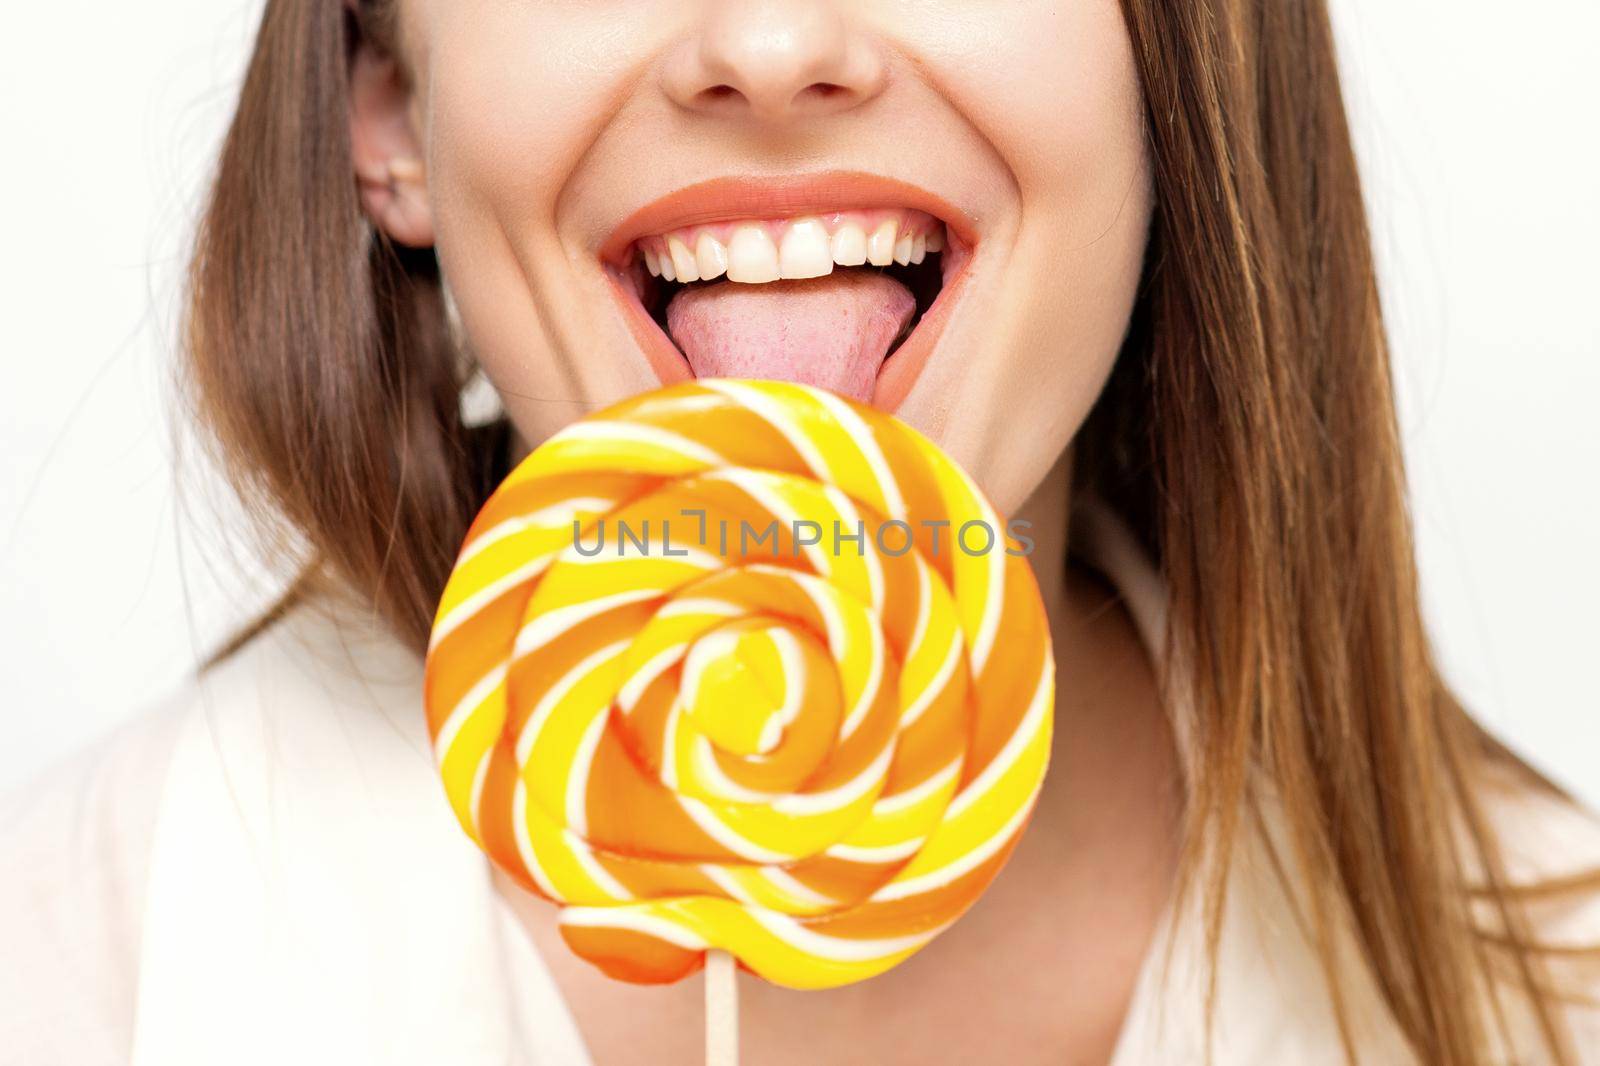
264, 869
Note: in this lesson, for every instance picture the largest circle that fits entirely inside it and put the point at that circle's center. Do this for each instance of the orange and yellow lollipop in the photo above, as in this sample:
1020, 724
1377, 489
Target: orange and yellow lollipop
743, 666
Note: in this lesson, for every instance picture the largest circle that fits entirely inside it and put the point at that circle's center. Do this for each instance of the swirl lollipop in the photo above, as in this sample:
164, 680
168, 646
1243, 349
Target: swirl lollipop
742, 667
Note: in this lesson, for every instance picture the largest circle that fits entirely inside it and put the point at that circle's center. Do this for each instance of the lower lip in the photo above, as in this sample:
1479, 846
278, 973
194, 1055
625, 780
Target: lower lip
895, 377
663, 356
904, 365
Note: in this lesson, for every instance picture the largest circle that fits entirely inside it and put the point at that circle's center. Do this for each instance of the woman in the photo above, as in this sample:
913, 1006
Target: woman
1143, 317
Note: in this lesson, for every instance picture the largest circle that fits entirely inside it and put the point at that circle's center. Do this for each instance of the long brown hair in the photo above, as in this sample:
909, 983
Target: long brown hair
1248, 432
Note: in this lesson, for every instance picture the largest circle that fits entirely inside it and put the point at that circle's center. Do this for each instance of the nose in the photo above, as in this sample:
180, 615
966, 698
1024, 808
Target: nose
774, 61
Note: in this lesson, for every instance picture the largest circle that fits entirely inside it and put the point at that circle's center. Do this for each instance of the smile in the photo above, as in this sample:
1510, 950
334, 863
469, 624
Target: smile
842, 280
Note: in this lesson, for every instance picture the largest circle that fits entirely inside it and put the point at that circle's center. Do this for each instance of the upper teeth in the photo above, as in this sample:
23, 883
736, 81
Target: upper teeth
805, 247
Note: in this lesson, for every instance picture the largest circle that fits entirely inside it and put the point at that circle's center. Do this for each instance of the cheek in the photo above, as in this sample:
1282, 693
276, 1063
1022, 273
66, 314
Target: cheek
1054, 88
511, 97
1051, 85
514, 94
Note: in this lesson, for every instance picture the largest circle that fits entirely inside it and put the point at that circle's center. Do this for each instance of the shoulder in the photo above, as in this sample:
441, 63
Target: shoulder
77, 842
1542, 833
75, 845
1550, 847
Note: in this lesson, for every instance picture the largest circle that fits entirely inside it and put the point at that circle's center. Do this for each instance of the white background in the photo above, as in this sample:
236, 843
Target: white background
1476, 126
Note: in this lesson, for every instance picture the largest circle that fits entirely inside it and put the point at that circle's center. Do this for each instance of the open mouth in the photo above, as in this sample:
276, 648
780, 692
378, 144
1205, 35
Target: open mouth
851, 300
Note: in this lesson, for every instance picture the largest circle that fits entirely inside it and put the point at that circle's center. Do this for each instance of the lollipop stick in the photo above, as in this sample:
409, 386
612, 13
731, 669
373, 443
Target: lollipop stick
722, 1010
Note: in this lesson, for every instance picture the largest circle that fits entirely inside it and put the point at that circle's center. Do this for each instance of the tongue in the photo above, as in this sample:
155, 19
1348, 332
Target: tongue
832, 331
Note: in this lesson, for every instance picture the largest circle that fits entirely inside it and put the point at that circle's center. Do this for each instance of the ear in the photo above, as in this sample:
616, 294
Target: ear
386, 150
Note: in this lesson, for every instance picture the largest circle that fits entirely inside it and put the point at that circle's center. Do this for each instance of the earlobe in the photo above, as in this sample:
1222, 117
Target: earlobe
394, 194
386, 152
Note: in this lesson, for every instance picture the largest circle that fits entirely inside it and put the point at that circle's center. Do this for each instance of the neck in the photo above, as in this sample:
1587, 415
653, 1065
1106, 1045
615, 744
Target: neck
1046, 512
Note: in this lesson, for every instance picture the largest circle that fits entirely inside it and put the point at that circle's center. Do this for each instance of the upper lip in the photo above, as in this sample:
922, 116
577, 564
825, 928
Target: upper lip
726, 198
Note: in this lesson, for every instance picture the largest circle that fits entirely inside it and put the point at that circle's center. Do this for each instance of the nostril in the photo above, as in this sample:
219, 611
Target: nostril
818, 93
822, 92
722, 99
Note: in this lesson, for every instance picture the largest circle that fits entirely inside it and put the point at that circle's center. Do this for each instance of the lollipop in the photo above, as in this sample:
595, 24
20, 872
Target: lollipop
743, 667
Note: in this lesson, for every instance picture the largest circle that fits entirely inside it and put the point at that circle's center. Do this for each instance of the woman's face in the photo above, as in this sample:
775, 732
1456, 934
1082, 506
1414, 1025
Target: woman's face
557, 139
